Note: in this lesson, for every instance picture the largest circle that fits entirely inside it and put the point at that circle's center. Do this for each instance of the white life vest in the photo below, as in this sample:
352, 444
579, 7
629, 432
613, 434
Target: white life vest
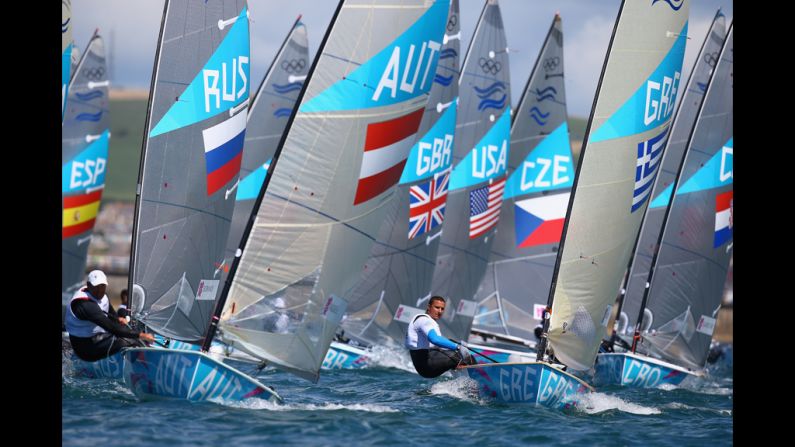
84, 328
417, 339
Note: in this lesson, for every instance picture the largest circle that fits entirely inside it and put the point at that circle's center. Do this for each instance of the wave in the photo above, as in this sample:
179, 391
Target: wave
89, 116
492, 103
448, 53
89, 96
593, 403
488, 91
282, 112
289, 87
261, 404
445, 81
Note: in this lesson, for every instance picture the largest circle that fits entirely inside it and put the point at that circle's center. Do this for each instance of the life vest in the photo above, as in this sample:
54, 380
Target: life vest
416, 339
84, 328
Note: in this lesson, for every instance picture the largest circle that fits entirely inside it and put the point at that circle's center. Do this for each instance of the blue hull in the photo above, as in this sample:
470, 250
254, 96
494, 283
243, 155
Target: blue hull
636, 371
342, 356
499, 355
188, 375
107, 368
530, 382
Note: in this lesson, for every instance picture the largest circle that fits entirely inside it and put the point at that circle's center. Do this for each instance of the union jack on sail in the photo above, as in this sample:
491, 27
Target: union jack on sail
427, 203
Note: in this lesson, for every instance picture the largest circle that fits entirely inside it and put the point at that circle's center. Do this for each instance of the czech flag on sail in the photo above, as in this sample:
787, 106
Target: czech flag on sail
427, 203
649, 156
386, 148
223, 151
724, 217
80, 213
484, 208
540, 221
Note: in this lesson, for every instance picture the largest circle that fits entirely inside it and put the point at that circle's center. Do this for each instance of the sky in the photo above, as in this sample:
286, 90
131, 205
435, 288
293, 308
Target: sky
131, 27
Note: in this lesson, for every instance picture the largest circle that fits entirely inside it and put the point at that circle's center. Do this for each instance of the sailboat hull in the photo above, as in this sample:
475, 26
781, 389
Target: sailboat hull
107, 368
343, 356
531, 382
499, 355
637, 371
189, 375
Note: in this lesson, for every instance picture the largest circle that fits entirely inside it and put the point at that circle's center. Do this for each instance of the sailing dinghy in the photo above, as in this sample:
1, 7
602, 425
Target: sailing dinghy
626, 131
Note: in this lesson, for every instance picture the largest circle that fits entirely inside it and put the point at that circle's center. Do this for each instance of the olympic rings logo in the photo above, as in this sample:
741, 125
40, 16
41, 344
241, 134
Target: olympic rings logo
711, 58
293, 65
490, 66
551, 63
452, 22
95, 73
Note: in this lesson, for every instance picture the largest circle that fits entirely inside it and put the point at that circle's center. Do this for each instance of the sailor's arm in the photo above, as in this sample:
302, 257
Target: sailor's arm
90, 311
434, 337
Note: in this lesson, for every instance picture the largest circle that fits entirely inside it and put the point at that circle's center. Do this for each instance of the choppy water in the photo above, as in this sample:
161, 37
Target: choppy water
391, 406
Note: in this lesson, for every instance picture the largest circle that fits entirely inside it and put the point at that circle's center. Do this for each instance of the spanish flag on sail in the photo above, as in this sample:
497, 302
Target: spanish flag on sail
79, 213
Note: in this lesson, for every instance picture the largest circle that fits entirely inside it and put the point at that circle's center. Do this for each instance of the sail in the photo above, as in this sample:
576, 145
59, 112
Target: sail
684, 120
333, 180
625, 139
267, 118
400, 267
84, 162
190, 160
477, 180
66, 50
540, 172
687, 283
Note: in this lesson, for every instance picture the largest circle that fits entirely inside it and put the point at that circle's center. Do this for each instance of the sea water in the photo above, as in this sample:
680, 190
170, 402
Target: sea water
392, 406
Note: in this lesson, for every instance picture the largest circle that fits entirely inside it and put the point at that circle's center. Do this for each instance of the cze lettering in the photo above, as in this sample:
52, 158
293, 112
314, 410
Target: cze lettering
391, 75
491, 161
660, 100
431, 157
726, 153
227, 92
86, 174
559, 172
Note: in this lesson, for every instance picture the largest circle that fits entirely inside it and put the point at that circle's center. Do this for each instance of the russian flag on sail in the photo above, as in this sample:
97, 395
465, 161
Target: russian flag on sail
427, 203
724, 210
223, 151
79, 213
649, 156
540, 221
386, 148
484, 208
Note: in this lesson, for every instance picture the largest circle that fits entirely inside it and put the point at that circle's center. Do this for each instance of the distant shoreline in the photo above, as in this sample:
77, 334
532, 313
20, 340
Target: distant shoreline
123, 94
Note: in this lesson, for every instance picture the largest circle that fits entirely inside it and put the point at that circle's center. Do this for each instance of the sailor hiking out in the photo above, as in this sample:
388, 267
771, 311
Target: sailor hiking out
431, 353
95, 329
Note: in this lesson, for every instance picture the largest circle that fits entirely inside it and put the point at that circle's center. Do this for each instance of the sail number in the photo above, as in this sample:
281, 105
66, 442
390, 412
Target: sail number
86, 173
392, 73
660, 99
211, 78
433, 156
543, 178
490, 160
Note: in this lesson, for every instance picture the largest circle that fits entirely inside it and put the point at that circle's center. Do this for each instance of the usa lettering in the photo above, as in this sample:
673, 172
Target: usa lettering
559, 174
228, 92
87, 173
489, 160
660, 99
433, 156
391, 78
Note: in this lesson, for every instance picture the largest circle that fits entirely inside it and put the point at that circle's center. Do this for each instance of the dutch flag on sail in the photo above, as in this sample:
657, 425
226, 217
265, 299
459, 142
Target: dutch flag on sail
386, 148
649, 156
724, 210
223, 151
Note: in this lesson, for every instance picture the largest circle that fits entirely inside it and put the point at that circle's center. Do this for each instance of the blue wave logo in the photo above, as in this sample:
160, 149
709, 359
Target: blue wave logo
448, 53
89, 116
282, 112
545, 94
439, 79
89, 96
539, 116
486, 102
674, 4
65, 25
286, 88
702, 86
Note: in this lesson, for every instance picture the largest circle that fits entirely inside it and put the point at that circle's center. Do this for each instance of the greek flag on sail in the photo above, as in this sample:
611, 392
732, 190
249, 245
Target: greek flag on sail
649, 155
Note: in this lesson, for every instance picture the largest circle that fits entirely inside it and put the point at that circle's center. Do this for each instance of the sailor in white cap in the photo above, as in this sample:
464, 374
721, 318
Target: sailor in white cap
94, 328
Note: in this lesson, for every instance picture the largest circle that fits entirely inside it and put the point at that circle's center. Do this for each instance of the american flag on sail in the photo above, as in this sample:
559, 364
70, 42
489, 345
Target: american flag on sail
427, 203
649, 155
484, 208
223, 151
386, 148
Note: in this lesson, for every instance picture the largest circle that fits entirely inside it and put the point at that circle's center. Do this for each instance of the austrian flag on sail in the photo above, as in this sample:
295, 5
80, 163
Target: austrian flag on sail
386, 148
223, 150
484, 208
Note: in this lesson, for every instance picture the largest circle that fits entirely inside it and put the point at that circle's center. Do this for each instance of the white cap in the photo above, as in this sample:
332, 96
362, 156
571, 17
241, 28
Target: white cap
96, 278
278, 303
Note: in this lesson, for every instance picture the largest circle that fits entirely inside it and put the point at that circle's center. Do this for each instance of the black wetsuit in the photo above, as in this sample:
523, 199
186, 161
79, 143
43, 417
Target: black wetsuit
433, 362
104, 344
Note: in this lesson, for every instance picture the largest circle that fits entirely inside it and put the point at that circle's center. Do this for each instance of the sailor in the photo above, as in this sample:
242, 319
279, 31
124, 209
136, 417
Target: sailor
275, 319
94, 328
424, 340
123, 312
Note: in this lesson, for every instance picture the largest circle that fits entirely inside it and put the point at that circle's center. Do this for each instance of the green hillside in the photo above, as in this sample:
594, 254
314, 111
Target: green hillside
126, 129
